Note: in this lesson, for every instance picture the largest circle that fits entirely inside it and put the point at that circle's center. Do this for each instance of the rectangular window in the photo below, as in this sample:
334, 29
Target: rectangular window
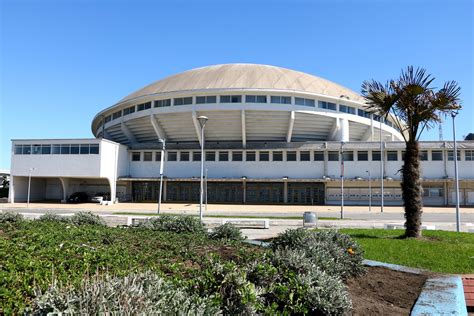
436, 155
305, 156
135, 156
333, 156
362, 156
45, 149
196, 156
116, 115
231, 99
158, 156
305, 102
206, 99
172, 156
65, 149
392, 155
183, 101
56, 149
280, 99
108, 118
184, 156
162, 103
327, 105
129, 110
376, 156
74, 149
26, 149
94, 149
348, 155
256, 98
210, 156
147, 156
264, 156
469, 155
144, 106
277, 156
36, 149
223, 156
18, 150
318, 156
250, 156
424, 155
291, 156
451, 155
346, 109
237, 156
363, 113
84, 149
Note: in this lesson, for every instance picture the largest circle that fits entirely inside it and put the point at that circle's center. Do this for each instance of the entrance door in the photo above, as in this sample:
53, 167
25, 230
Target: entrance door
306, 193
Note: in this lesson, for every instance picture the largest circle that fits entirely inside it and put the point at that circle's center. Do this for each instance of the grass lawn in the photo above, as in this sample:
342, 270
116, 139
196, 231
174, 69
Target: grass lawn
437, 251
230, 216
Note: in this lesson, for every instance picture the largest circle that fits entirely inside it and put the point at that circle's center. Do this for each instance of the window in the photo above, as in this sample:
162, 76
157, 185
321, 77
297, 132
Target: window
305, 156
256, 98
116, 115
184, 156
346, 109
36, 149
210, 156
363, 113
333, 156
451, 155
277, 156
348, 155
26, 149
436, 155
135, 156
376, 156
65, 149
18, 150
318, 156
144, 106
94, 149
158, 156
74, 149
327, 105
264, 156
250, 156
129, 110
305, 102
362, 155
469, 155
291, 156
231, 99
206, 99
172, 156
392, 155
432, 192
423, 155
147, 156
183, 101
45, 149
237, 156
223, 156
162, 103
196, 156
107, 119
280, 99
84, 149
56, 149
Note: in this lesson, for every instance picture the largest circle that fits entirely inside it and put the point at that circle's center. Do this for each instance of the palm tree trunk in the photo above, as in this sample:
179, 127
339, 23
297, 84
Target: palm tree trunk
411, 190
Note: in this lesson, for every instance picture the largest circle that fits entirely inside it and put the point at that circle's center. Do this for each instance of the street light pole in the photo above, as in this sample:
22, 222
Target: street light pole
162, 160
342, 180
370, 191
456, 178
202, 121
29, 186
381, 168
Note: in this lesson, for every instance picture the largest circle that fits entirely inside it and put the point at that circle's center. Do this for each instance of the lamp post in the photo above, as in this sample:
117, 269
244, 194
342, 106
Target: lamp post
370, 191
456, 178
381, 168
29, 186
202, 121
342, 180
162, 160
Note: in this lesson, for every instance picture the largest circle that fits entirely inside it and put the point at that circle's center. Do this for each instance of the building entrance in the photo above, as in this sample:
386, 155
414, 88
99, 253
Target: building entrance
306, 193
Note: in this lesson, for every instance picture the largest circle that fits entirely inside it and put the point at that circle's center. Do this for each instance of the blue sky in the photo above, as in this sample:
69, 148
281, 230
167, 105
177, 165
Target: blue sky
64, 61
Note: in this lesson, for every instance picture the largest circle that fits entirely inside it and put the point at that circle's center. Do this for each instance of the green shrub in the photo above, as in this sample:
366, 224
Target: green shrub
136, 294
51, 217
291, 238
87, 218
10, 217
173, 223
227, 231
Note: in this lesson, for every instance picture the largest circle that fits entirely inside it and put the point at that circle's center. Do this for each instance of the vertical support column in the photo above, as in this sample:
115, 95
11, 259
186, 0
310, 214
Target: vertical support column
326, 159
344, 130
445, 191
113, 189
65, 186
244, 186
285, 192
11, 190
165, 186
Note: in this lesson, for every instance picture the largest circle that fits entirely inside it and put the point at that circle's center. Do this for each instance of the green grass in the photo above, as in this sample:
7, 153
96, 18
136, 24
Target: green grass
437, 251
229, 216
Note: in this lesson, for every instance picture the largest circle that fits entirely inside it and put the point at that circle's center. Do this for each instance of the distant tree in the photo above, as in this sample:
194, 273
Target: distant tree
415, 106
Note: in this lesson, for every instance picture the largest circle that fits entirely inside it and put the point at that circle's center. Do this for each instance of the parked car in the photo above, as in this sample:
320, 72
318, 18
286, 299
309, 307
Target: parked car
100, 197
78, 197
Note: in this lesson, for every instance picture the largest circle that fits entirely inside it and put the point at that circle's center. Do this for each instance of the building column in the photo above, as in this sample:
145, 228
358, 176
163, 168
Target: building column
113, 189
165, 185
244, 186
344, 130
11, 190
285, 192
65, 186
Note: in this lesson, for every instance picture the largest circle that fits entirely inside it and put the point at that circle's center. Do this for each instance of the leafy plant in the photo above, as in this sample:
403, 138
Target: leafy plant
228, 231
51, 217
10, 217
173, 223
87, 218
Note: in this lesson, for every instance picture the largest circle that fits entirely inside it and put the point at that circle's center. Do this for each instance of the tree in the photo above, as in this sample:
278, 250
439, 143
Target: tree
414, 105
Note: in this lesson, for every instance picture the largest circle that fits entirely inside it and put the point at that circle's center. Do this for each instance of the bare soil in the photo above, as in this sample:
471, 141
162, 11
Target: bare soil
385, 292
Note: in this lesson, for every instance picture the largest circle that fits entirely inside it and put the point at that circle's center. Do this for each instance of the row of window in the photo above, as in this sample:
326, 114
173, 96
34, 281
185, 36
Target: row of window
436, 155
57, 149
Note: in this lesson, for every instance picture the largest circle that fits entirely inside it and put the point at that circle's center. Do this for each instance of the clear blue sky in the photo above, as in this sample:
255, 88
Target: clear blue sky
63, 61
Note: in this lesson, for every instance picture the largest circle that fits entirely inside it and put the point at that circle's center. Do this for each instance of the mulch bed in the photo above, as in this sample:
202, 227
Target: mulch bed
385, 292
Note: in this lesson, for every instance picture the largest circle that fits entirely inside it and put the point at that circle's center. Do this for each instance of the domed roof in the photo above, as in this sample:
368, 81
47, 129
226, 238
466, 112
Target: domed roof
245, 76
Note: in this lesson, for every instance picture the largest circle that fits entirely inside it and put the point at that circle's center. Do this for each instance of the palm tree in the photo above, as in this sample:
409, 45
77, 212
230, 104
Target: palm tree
414, 105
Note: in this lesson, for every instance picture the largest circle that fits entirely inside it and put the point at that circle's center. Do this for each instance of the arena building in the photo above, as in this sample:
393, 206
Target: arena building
273, 135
